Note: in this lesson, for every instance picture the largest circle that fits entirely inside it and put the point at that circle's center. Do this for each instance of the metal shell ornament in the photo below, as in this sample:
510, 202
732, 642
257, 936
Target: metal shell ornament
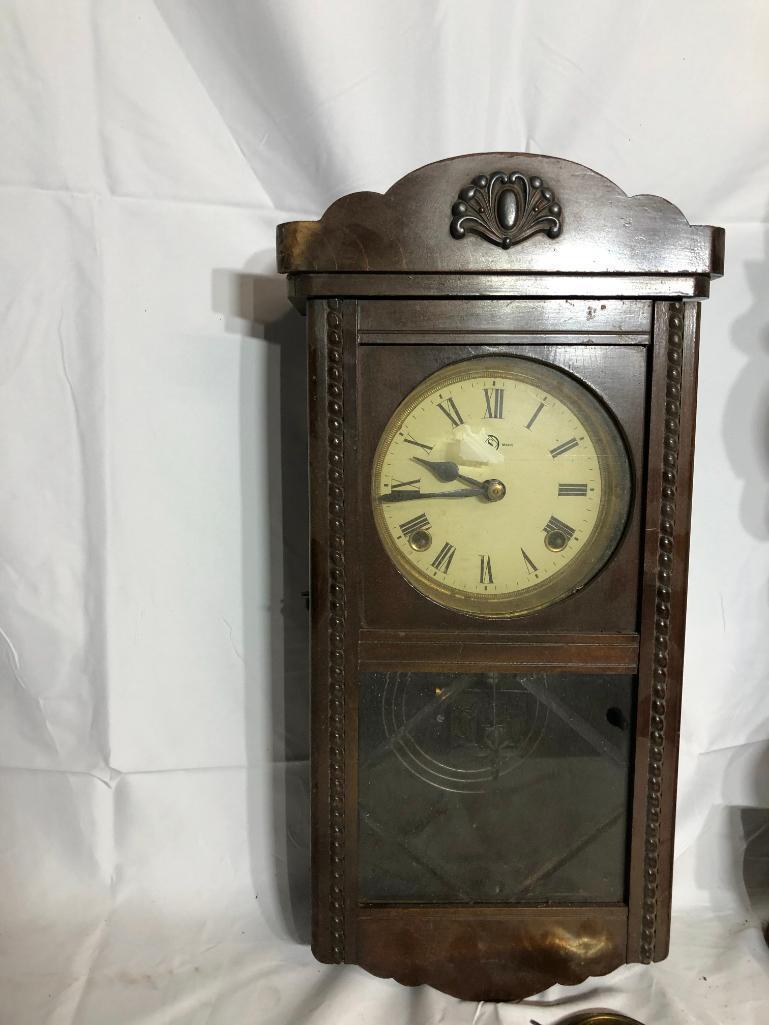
506, 209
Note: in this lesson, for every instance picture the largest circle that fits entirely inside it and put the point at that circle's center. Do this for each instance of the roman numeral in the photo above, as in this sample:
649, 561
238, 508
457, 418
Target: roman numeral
555, 524
537, 411
572, 489
451, 411
486, 577
565, 446
442, 560
419, 522
405, 485
530, 567
494, 405
412, 441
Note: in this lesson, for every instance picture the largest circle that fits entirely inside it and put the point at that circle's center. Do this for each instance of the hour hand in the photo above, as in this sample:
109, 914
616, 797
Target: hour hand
446, 471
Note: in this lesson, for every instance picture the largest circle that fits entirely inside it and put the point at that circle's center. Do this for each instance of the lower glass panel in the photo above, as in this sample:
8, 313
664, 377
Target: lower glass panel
494, 787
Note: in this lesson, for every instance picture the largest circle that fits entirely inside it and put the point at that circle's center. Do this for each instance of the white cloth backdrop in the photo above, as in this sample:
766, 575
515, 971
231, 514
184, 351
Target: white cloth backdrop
153, 826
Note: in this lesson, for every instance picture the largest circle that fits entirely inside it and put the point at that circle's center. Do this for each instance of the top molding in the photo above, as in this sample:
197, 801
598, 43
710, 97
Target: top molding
508, 213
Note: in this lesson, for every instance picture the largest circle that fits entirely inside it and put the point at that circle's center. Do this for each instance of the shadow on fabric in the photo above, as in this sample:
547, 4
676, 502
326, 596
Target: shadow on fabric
275, 521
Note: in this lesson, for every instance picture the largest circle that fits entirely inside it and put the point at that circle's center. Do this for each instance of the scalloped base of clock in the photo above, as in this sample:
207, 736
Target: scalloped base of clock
489, 953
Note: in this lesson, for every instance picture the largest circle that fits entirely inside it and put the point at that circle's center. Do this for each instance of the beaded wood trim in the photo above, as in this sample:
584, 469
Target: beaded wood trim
335, 397
662, 625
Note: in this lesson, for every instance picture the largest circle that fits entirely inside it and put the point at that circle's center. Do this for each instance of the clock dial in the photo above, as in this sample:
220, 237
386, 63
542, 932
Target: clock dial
500, 485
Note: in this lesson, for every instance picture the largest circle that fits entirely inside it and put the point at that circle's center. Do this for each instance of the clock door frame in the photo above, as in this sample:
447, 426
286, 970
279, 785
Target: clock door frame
612, 364
525, 949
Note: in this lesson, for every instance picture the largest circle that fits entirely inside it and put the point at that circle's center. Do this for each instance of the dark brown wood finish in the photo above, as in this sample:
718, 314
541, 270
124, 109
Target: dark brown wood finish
676, 594
407, 229
550, 261
334, 600
349, 622
492, 953
325, 861
481, 651
403, 321
617, 373
668, 513
302, 287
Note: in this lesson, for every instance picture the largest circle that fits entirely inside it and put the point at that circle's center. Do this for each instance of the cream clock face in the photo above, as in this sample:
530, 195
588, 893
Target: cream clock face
500, 485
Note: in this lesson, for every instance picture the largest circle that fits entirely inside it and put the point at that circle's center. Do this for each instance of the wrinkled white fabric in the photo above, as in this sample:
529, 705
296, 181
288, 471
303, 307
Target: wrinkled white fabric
153, 737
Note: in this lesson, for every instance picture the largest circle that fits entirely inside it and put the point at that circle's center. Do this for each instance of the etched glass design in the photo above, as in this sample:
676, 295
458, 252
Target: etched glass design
490, 787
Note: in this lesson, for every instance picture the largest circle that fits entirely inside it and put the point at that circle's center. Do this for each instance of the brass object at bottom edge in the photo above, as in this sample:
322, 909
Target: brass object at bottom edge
595, 1017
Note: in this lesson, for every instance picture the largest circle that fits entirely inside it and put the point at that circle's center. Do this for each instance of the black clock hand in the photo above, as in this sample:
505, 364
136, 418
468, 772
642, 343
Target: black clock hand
445, 471
409, 496
492, 490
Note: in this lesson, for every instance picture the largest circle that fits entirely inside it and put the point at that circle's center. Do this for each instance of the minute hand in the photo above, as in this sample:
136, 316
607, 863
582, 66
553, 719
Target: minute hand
413, 496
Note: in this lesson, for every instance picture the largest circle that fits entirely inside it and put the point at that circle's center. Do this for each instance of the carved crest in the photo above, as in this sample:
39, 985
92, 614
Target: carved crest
506, 209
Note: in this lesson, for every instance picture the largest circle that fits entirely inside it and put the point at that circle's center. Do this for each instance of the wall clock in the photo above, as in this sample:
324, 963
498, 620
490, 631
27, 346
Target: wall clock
503, 355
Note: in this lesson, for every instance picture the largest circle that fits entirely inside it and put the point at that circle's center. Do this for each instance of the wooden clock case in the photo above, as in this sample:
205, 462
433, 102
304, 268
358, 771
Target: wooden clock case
491, 254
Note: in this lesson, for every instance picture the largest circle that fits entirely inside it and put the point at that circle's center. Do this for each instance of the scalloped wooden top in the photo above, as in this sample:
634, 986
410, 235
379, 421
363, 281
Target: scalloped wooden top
501, 213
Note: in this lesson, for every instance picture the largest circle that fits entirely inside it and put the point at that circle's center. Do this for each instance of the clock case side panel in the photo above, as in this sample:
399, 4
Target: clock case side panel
663, 619
334, 627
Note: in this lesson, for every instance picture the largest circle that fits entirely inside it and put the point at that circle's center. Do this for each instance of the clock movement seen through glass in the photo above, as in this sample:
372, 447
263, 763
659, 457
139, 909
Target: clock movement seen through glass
500, 485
